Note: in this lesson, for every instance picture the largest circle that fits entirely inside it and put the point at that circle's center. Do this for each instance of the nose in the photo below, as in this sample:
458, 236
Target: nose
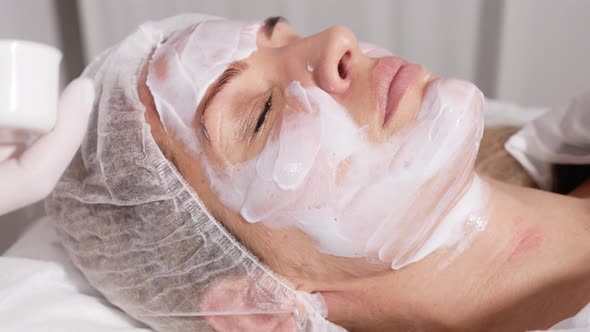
336, 52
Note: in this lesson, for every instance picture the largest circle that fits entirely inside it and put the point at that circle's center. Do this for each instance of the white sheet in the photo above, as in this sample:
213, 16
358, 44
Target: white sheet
41, 291
559, 136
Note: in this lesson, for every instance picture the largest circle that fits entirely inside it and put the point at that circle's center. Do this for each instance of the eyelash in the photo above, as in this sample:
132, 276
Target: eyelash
266, 109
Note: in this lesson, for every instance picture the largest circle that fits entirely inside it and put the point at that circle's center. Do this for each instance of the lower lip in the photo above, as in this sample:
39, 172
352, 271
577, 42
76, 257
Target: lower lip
401, 82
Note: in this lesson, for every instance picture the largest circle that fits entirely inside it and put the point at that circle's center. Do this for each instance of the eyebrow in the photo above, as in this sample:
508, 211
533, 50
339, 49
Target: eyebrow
270, 23
234, 70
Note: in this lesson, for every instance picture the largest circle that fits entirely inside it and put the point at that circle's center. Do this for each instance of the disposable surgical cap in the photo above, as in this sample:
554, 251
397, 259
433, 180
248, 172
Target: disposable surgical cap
140, 234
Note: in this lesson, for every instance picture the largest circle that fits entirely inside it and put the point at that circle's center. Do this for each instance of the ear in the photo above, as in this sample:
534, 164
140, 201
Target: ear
237, 303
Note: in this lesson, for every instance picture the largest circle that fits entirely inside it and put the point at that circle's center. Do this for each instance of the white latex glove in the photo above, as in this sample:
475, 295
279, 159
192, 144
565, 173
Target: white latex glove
30, 176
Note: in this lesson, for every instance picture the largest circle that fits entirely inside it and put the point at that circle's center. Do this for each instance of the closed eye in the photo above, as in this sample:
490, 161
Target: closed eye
264, 114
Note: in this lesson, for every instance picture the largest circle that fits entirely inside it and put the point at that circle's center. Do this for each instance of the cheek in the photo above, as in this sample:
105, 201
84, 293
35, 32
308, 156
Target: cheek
361, 105
286, 68
160, 68
342, 171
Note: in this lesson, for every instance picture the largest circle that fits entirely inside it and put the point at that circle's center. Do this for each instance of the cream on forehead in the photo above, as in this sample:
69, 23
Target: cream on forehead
183, 67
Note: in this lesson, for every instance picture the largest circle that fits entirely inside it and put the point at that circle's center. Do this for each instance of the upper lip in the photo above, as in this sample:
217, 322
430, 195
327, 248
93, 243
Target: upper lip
383, 75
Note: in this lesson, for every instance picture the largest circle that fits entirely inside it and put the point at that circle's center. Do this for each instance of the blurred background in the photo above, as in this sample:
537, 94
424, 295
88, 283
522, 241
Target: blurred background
530, 52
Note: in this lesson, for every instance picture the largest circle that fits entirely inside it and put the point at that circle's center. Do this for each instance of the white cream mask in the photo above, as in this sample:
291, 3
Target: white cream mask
394, 202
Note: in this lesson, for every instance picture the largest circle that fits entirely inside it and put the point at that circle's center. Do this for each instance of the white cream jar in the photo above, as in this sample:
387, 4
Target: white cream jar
29, 83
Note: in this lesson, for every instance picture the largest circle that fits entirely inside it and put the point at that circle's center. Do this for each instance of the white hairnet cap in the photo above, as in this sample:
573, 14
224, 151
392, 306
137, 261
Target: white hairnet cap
141, 235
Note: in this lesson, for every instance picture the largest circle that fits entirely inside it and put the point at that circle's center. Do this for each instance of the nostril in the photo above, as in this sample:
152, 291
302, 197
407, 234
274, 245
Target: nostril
341, 72
343, 65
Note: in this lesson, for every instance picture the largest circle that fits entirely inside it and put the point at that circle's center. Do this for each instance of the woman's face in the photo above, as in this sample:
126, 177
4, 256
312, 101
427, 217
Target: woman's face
319, 136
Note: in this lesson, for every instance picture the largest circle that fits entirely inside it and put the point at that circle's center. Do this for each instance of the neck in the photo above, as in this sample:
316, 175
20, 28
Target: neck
529, 269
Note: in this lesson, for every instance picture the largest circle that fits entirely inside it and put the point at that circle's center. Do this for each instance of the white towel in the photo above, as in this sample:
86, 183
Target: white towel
558, 136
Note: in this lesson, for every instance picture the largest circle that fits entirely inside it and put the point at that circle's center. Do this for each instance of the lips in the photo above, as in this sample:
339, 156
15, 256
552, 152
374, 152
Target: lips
393, 77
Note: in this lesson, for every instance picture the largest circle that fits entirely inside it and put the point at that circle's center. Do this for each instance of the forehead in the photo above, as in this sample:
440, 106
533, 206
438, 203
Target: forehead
213, 45
214, 36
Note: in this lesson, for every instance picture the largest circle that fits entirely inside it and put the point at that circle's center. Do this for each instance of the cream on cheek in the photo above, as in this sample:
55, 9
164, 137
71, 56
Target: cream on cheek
395, 202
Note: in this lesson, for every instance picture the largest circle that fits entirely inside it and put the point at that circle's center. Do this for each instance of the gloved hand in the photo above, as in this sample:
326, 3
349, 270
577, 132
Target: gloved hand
28, 177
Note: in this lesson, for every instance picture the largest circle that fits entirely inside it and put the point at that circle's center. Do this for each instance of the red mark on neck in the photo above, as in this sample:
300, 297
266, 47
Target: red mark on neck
526, 237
